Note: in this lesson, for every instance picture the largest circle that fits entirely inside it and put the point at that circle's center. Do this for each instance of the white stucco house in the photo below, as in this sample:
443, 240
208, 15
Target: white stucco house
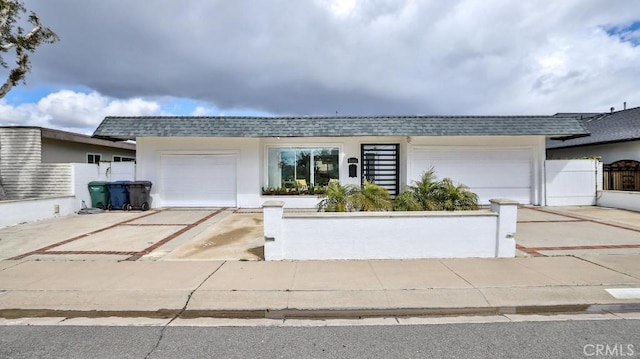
229, 161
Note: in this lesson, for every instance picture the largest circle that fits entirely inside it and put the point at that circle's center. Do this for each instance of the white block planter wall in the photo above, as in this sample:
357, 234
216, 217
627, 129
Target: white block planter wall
390, 235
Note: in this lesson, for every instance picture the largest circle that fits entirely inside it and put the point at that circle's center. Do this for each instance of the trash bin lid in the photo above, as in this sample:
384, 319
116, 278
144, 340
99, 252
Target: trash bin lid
120, 182
140, 183
98, 183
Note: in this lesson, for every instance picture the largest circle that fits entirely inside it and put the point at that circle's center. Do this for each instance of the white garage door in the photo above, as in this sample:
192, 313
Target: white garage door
198, 181
490, 173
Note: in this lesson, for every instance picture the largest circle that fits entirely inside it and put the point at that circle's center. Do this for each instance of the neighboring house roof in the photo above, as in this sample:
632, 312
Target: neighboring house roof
128, 128
610, 127
76, 137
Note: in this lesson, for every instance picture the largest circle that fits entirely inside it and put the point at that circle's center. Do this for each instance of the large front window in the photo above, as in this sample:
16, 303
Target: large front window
295, 167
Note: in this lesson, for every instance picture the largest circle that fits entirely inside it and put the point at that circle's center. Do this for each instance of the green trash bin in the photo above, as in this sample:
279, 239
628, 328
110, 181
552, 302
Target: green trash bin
99, 192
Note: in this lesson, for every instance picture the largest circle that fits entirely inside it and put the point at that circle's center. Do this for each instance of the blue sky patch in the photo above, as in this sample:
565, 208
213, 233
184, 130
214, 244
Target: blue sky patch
626, 33
21, 94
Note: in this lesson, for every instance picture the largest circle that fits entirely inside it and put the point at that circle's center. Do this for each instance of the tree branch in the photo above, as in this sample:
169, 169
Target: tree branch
16, 74
27, 37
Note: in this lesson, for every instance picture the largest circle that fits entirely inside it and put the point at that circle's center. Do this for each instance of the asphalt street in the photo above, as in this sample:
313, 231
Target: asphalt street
549, 339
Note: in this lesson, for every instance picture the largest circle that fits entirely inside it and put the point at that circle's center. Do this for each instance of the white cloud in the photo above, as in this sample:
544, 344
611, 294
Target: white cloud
74, 111
353, 56
203, 111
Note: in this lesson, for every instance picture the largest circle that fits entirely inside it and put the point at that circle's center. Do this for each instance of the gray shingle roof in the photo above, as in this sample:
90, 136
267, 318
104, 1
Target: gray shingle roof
128, 128
605, 128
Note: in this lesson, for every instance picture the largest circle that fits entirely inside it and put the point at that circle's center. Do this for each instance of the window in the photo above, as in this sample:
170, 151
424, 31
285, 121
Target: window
288, 167
123, 159
93, 157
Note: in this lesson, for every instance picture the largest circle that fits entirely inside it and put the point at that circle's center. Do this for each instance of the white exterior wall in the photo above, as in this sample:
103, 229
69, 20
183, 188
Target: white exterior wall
252, 172
349, 147
609, 153
390, 235
248, 166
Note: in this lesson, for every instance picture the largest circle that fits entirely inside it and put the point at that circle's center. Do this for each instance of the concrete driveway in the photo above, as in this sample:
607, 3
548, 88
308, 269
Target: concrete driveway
170, 234
577, 230
232, 234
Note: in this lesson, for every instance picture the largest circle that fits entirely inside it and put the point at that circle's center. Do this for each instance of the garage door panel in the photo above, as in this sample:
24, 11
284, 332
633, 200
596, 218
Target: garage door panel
522, 195
198, 181
488, 173
499, 174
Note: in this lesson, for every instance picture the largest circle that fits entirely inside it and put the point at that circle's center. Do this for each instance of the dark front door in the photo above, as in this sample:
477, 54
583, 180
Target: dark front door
380, 165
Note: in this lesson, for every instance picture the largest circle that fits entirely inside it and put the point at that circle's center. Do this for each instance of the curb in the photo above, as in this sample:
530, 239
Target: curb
323, 313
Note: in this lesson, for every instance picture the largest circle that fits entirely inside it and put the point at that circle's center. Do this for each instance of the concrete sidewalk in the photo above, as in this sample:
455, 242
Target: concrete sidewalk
319, 289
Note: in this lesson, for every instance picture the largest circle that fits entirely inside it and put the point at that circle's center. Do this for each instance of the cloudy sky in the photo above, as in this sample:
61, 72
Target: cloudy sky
319, 57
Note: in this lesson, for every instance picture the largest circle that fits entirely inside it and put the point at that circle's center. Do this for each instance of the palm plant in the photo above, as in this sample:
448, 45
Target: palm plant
451, 197
429, 194
348, 198
372, 197
338, 198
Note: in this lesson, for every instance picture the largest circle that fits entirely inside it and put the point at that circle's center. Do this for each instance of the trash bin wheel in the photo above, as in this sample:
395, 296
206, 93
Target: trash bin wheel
145, 206
109, 207
128, 207
100, 205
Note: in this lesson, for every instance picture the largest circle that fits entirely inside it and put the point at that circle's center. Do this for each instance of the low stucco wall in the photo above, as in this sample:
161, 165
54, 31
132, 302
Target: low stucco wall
293, 201
389, 235
619, 199
35, 209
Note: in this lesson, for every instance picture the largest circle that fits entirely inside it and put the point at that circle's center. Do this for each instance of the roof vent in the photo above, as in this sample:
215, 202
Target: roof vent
612, 109
624, 105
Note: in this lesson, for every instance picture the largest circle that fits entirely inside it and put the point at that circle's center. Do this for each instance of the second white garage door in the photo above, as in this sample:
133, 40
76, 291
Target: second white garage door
490, 173
198, 181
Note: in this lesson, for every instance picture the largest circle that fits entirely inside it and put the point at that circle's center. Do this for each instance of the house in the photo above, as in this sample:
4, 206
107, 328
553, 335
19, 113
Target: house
615, 138
228, 161
28, 156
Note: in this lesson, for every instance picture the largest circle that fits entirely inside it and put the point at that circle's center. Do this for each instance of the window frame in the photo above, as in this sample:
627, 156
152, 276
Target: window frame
129, 158
302, 146
93, 155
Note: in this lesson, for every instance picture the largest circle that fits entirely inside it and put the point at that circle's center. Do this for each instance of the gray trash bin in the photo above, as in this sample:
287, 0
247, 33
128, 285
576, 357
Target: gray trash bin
139, 195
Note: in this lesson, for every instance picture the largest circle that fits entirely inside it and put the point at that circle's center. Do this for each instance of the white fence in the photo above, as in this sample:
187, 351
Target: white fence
572, 182
389, 235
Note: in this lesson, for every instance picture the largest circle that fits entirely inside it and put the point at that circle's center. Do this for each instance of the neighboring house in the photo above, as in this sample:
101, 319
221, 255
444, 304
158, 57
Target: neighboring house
228, 161
614, 136
615, 139
29, 158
